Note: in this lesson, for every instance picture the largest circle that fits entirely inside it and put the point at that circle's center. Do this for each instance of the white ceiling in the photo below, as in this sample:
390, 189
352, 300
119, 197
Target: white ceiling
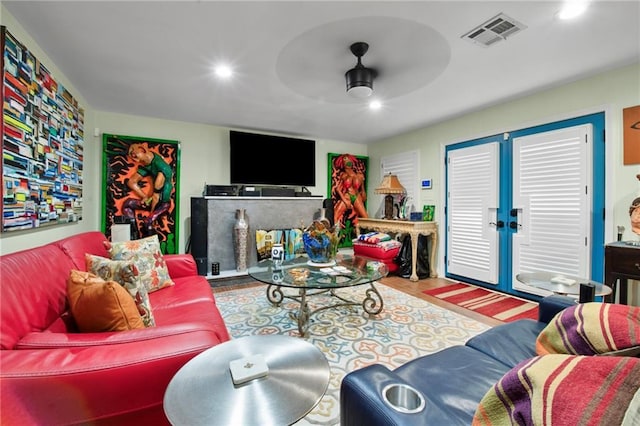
154, 58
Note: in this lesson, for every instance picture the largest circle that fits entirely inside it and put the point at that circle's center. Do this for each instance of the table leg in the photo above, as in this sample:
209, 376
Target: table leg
434, 255
611, 298
610, 280
622, 282
303, 314
274, 294
370, 302
414, 255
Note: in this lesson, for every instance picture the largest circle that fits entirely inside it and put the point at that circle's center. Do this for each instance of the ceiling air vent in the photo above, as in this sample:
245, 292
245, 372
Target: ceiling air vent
495, 29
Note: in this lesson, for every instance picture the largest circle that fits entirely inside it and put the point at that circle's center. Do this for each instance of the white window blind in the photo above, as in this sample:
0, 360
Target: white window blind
405, 165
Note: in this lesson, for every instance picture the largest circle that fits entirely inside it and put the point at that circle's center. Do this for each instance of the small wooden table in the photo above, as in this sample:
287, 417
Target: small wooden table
621, 263
415, 229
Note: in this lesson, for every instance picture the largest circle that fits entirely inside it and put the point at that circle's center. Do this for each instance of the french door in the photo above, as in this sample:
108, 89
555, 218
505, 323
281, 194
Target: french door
472, 206
522, 203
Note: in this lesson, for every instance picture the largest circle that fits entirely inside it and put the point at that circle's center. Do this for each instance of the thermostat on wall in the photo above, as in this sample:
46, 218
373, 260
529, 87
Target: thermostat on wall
426, 184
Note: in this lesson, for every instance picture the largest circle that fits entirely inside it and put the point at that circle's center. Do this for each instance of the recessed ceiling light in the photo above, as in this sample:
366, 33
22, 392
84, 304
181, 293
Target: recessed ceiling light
573, 9
375, 105
223, 71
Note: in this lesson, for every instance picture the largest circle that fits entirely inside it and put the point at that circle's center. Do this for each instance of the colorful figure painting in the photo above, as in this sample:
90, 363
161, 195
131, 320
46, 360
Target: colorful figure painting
348, 190
141, 187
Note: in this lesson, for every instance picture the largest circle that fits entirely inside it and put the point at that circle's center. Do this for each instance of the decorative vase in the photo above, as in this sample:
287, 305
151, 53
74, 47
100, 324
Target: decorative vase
240, 237
323, 214
321, 242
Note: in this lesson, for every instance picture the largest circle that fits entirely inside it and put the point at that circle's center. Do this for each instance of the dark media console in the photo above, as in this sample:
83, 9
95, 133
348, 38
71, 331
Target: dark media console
220, 190
234, 191
278, 192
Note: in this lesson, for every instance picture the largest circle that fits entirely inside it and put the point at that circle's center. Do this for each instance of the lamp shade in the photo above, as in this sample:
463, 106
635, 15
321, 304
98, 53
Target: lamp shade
390, 185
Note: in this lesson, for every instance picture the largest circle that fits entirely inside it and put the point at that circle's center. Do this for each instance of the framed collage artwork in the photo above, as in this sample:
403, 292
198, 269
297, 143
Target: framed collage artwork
141, 187
42, 143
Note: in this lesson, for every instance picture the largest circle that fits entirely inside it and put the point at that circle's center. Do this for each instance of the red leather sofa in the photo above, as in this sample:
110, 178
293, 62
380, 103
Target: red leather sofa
51, 374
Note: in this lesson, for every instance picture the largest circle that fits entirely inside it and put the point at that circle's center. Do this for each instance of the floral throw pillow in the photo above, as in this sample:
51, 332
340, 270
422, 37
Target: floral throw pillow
126, 274
146, 255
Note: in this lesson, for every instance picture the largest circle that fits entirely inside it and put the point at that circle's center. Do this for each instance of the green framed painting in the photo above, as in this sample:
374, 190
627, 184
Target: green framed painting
348, 191
141, 187
428, 211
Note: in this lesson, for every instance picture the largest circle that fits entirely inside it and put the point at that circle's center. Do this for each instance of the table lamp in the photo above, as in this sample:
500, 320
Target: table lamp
390, 185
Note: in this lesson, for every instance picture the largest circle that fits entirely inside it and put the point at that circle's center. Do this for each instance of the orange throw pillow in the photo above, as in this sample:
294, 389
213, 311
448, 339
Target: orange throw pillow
98, 305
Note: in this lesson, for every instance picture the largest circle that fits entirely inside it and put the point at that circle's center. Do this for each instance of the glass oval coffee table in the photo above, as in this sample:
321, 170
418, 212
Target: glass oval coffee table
312, 279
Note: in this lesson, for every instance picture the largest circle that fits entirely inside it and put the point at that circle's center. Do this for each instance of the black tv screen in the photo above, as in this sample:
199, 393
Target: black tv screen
257, 159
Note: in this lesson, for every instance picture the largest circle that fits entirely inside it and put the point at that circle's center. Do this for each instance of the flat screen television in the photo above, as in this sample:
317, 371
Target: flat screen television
257, 159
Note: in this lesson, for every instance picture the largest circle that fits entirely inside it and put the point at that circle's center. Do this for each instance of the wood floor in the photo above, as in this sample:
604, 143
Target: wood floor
406, 286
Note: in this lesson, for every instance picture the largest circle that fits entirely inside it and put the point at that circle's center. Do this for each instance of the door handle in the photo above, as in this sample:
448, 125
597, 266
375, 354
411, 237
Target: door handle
498, 224
513, 225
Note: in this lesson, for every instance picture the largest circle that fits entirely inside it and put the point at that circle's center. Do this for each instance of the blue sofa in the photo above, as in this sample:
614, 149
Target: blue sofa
452, 382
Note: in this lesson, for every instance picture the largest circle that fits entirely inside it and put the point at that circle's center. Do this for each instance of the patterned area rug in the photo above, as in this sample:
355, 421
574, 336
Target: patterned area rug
406, 328
490, 303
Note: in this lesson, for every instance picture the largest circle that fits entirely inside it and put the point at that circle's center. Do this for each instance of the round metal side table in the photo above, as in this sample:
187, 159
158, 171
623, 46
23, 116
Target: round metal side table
203, 393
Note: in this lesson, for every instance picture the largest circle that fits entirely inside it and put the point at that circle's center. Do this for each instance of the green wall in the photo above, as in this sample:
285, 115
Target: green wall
610, 92
204, 155
13, 241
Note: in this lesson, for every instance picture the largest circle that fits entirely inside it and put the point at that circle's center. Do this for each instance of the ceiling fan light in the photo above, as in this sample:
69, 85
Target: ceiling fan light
360, 82
360, 92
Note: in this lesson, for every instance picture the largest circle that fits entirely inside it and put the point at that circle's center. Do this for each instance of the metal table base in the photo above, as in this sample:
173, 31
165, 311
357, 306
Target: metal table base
372, 303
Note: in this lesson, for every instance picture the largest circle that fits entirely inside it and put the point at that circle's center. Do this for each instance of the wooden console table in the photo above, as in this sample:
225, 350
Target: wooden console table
621, 262
414, 229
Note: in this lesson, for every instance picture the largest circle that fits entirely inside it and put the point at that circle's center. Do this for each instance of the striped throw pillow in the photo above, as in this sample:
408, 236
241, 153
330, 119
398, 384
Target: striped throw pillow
592, 329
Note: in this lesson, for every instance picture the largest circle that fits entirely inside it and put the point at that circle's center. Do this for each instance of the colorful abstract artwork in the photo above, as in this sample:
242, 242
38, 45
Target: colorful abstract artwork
141, 177
42, 143
348, 190
631, 135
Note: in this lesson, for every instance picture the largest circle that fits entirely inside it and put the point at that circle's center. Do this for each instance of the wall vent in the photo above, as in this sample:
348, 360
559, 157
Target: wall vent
494, 30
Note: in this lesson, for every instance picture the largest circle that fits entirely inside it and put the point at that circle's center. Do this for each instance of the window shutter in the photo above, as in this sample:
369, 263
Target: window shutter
405, 165
472, 243
550, 183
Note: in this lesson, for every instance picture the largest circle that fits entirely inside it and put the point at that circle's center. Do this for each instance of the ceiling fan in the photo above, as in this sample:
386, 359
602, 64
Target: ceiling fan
360, 78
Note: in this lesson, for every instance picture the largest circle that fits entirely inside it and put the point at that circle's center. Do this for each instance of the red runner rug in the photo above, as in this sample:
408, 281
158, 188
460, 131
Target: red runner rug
490, 303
